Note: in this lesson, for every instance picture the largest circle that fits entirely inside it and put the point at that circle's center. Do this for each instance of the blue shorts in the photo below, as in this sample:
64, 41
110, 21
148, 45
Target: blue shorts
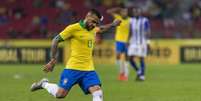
121, 47
84, 79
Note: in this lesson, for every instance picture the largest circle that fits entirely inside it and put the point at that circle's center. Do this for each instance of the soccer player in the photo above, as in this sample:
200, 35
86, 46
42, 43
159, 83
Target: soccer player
139, 33
79, 68
121, 38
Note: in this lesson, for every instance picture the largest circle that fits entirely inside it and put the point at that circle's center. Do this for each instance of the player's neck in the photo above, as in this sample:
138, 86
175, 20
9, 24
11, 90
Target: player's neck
83, 24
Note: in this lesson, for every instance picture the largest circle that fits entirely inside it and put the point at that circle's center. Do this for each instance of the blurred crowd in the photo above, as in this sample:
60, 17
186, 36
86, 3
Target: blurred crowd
45, 18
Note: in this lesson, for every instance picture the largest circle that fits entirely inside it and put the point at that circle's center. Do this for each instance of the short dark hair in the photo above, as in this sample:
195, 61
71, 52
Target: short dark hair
96, 12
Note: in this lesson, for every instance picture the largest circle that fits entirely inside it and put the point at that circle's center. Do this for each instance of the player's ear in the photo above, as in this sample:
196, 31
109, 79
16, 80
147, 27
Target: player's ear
87, 15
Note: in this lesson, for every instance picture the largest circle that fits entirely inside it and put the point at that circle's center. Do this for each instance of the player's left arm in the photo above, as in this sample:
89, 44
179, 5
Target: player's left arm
148, 33
148, 30
55, 42
130, 32
104, 28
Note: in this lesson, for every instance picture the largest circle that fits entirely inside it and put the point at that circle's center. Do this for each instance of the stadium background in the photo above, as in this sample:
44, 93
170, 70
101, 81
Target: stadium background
27, 27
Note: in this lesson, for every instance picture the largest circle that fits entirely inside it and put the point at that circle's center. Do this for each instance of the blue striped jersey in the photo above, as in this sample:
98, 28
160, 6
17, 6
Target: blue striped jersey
139, 28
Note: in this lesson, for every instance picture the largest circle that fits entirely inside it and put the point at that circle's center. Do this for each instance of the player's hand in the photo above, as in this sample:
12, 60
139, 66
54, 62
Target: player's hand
116, 22
49, 66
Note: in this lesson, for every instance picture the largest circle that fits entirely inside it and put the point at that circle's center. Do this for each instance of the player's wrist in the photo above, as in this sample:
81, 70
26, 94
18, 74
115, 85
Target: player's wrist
53, 61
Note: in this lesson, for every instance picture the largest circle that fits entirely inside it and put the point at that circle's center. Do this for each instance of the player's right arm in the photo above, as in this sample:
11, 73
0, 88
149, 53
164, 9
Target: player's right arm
50, 65
114, 11
65, 34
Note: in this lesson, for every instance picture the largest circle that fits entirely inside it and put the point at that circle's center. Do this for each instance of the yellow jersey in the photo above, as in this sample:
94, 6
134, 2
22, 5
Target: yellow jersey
81, 46
122, 31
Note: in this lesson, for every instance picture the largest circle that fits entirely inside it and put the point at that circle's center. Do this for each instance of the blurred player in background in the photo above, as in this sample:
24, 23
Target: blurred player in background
121, 38
139, 33
79, 68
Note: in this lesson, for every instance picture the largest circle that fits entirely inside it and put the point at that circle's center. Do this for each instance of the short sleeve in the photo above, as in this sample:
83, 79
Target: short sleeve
117, 16
67, 32
147, 25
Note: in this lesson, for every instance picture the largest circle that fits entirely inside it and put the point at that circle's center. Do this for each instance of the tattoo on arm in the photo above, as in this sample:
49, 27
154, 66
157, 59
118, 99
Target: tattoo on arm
105, 28
55, 42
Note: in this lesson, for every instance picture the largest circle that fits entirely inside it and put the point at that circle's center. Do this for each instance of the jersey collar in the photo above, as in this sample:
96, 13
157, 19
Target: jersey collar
82, 24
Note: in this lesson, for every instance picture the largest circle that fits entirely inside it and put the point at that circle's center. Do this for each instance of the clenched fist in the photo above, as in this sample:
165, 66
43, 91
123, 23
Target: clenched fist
49, 66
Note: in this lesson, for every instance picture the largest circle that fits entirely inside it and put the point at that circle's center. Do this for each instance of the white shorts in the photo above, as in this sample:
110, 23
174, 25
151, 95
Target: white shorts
137, 50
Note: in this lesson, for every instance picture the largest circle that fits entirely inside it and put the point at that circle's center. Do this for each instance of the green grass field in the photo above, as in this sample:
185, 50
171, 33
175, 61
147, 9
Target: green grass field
164, 83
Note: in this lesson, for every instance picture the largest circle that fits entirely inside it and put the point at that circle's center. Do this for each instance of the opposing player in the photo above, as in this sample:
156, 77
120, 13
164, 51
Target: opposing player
79, 68
140, 31
121, 38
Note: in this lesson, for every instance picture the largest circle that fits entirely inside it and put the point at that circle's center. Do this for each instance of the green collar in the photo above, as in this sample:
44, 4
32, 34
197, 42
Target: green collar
82, 24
